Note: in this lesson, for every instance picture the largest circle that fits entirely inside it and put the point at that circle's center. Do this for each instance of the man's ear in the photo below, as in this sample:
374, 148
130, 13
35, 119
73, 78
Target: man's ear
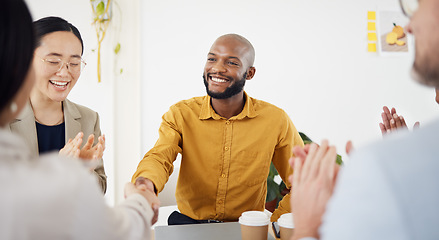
250, 73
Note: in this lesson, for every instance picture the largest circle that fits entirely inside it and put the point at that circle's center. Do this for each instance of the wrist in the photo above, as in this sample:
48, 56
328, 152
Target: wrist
147, 182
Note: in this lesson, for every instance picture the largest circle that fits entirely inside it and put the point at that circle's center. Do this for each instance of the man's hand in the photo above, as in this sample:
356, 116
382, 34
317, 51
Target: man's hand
315, 172
392, 122
148, 183
147, 194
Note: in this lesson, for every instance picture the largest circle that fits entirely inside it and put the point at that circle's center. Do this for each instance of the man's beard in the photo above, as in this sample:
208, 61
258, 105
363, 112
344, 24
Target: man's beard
424, 75
425, 68
231, 91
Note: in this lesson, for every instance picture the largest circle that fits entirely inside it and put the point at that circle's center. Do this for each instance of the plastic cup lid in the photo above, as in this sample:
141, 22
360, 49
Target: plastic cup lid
254, 218
286, 220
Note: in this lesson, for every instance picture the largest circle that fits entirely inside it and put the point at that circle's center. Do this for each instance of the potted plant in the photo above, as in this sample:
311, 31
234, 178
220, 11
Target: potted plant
275, 191
102, 17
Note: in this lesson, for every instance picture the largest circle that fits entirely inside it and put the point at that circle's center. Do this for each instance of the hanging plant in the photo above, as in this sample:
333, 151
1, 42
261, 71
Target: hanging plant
102, 17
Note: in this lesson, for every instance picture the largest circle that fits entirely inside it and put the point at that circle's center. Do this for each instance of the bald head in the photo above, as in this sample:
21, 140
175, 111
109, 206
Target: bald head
239, 41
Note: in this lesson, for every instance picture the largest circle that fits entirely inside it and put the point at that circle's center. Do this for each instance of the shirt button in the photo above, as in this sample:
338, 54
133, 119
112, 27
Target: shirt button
227, 122
226, 148
220, 201
223, 175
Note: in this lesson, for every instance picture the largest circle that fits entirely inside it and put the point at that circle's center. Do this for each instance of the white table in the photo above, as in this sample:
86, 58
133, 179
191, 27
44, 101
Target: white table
211, 231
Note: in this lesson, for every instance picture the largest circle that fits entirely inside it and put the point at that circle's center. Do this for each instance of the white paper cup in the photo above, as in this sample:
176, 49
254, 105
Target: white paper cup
286, 226
254, 225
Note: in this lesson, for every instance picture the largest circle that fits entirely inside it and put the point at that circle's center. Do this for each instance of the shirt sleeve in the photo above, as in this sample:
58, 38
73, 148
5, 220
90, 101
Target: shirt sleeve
157, 164
283, 152
132, 218
363, 205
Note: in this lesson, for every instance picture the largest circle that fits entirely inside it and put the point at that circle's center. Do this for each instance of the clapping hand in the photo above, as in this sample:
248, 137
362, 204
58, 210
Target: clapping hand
313, 181
88, 152
392, 122
72, 147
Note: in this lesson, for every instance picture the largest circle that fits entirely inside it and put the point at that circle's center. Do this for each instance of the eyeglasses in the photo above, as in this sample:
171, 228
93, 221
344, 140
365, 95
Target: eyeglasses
75, 66
409, 7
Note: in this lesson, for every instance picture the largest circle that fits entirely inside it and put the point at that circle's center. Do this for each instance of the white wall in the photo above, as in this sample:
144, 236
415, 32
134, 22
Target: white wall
311, 60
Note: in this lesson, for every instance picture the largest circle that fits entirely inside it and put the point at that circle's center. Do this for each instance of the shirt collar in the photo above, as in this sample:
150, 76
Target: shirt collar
208, 112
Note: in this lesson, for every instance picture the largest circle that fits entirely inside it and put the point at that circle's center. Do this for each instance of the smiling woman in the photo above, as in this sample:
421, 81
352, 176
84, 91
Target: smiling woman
50, 120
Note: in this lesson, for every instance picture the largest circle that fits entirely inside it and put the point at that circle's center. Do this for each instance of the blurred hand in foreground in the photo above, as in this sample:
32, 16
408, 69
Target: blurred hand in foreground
313, 181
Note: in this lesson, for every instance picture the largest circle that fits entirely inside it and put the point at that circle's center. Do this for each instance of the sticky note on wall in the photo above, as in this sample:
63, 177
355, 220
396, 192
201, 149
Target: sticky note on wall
371, 15
371, 31
371, 26
372, 36
371, 47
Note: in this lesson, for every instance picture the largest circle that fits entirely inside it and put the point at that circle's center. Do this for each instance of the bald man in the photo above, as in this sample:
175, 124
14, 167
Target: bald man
227, 141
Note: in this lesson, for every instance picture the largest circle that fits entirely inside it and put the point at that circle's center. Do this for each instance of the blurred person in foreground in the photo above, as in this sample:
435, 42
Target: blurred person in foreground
389, 190
52, 197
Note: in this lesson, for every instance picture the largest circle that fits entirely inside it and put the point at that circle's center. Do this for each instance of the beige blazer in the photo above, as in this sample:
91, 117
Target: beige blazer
77, 118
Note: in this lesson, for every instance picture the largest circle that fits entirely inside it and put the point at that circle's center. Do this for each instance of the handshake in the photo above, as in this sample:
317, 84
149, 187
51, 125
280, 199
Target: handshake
145, 188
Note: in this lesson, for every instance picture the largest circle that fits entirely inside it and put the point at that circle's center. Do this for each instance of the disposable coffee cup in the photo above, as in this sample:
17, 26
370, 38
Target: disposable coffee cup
254, 225
286, 226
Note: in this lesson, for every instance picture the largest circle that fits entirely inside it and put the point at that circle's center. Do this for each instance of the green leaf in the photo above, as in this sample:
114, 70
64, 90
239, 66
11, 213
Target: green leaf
117, 48
100, 8
273, 172
305, 138
282, 186
338, 160
272, 190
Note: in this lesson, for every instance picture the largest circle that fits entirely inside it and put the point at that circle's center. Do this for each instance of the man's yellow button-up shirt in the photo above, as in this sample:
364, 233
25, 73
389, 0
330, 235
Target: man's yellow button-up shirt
225, 162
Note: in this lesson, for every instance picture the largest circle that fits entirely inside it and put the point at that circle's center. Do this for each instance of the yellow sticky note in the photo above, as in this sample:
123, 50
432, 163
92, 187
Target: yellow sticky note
372, 36
371, 15
371, 26
371, 47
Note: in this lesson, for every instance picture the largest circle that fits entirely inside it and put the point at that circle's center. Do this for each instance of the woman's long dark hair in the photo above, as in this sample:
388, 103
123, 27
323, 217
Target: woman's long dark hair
48, 25
17, 43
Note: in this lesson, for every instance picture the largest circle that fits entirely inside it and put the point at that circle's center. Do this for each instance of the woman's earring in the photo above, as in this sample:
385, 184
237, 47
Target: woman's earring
13, 107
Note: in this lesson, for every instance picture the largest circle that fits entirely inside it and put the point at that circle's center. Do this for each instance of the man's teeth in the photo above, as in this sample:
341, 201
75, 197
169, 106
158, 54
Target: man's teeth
59, 83
218, 80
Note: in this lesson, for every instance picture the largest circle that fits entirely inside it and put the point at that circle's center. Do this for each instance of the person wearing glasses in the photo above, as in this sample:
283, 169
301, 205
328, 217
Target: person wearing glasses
389, 190
52, 196
50, 121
